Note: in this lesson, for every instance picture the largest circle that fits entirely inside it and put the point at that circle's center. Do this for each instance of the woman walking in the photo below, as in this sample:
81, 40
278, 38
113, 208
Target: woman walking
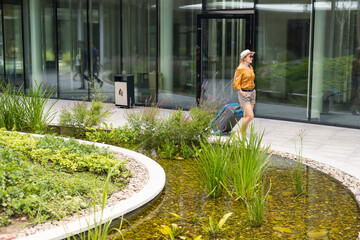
244, 84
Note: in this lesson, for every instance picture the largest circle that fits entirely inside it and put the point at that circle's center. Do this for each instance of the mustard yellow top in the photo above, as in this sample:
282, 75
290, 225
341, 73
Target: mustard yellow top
243, 79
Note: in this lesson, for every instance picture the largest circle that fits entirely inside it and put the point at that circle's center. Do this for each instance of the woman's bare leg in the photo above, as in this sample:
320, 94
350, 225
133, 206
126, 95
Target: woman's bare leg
248, 116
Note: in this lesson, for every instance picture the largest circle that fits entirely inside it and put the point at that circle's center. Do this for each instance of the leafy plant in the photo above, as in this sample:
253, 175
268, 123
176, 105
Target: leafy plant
172, 232
249, 163
82, 116
211, 164
166, 149
213, 228
110, 135
186, 151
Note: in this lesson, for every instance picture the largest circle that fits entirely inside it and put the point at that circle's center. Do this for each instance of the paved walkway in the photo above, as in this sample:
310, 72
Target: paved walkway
334, 146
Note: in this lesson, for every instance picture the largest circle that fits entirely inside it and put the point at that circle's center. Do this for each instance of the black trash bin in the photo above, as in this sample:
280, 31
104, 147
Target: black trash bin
124, 90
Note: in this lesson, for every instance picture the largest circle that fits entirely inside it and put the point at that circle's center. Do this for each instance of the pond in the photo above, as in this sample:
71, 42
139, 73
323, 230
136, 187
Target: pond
326, 211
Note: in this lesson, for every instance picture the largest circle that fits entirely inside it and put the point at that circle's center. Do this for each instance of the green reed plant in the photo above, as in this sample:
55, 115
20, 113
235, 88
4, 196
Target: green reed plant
12, 114
255, 206
297, 172
34, 103
211, 165
26, 111
249, 162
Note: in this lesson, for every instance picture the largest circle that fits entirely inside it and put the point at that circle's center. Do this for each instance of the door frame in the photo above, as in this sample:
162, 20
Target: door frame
248, 15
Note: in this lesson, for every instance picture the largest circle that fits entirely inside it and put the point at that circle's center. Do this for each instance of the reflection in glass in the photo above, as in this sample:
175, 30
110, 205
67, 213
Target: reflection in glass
13, 44
223, 41
104, 48
282, 59
139, 47
41, 64
335, 90
177, 77
72, 42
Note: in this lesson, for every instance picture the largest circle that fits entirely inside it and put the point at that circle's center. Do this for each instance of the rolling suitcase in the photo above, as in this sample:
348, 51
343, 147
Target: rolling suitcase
227, 118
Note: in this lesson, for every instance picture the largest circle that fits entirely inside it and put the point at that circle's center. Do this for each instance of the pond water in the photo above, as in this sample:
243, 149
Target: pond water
326, 211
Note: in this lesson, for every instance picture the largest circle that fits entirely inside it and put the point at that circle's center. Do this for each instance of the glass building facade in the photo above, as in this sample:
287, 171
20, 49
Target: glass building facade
307, 60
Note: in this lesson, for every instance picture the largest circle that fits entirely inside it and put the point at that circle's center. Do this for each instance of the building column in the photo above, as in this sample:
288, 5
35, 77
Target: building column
166, 44
318, 64
36, 43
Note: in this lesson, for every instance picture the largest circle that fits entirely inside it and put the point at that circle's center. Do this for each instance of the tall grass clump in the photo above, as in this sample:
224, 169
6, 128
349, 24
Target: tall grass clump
26, 111
211, 164
248, 165
255, 206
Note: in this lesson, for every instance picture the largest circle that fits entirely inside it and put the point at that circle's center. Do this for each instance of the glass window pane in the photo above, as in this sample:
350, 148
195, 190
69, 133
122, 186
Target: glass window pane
139, 47
72, 42
105, 43
177, 77
336, 69
282, 59
229, 4
222, 42
13, 44
41, 52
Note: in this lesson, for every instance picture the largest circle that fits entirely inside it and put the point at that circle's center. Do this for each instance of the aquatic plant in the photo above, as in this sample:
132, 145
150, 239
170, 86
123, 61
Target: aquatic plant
249, 162
186, 151
172, 232
166, 149
213, 228
255, 206
211, 164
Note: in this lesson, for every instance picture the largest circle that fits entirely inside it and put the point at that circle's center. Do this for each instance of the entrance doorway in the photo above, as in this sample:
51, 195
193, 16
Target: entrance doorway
220, 40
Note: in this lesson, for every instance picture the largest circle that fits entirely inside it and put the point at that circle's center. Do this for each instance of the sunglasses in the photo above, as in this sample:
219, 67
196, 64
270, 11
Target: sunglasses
251, 56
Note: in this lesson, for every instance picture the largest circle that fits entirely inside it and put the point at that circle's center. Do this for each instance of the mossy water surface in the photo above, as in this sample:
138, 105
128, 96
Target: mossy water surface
327, 210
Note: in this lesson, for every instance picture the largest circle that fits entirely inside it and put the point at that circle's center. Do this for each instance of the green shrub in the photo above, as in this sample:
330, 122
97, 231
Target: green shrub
82, 116
110, 135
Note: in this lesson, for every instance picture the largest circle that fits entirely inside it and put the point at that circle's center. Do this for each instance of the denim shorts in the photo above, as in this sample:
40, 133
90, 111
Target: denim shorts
248, 98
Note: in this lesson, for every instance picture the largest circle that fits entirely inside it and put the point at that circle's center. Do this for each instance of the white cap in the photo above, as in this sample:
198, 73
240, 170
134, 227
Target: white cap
245, 53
